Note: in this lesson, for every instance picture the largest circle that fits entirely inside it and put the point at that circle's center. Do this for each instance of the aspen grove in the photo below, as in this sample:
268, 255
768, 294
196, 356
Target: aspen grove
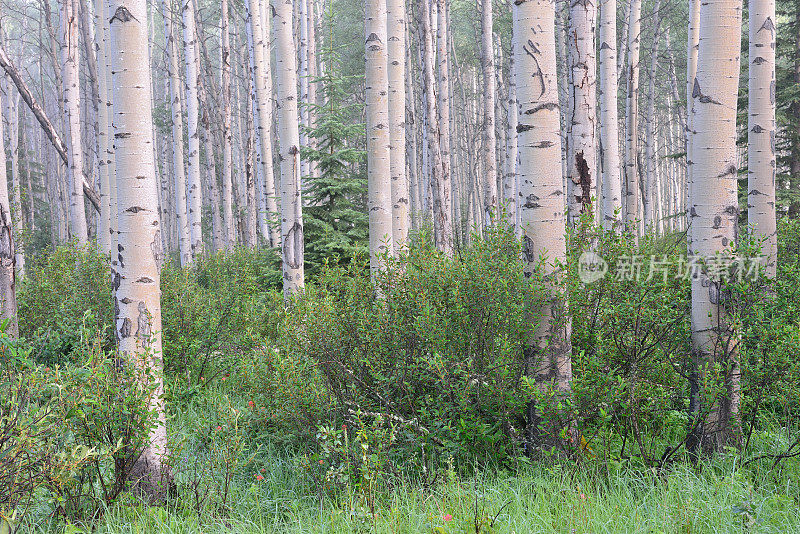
399, 265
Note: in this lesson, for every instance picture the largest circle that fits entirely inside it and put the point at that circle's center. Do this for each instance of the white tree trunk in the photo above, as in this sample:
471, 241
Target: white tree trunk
609, 119
379, 202
490, 203
8, 280
651, 220
582, 170
632, 118
227, 141
103, 141
70, 66
443, 92
541, 187
263, 83
137, 294
693, 41
194, 193
714, 204
289, 141
761, 130
510, 186
396, 46
178, 169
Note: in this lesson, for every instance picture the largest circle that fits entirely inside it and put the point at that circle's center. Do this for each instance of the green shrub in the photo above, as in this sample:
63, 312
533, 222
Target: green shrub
54, 297
432, 342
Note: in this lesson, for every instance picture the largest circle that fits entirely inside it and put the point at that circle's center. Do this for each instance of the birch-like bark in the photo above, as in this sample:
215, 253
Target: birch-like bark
609, 120
632, 118
194, 191
289, 141
250, 222
547, 358
490, 203
761, 162
651, 220
263, 87
137, 294
8, 280
104, 143
714, 210
227, 141
396, 47
178, 169
510, 186
443, 93
693, 41
12, 107
582, 171
70, 67
379, 201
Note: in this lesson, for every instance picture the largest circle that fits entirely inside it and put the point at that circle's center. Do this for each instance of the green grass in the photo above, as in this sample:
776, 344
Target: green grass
720, 496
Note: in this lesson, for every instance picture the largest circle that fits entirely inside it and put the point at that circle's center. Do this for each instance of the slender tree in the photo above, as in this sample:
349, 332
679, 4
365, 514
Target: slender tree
761, 162
396, 48
8, 279
490, 203
289, 142
194, 191
137, 294
378, 154
632, 117
70, 65
609, 121
227, 139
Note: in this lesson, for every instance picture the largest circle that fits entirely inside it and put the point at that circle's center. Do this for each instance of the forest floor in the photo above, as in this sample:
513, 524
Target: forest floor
721, 495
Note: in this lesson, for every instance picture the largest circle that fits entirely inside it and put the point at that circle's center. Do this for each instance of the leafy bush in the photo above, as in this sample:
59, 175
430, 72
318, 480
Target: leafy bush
54, 297
216, 311
432, 342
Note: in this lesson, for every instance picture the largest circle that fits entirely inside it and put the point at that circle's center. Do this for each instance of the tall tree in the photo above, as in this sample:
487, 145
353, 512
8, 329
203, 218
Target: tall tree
227, 140
547, 358
8, 277
263, 88
761, 162
609, 120
137, 294
176, 107
107, 228
70, 66
396, 47
714, 210
442, 92
194, 192
378, 154
490, 203
289, 142
582, 159
632, 117
692, 45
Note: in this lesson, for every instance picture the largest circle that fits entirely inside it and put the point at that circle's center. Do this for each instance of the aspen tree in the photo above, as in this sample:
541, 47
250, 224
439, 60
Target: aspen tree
609, 120
442, 93
263, 89
761, 162
178, 169
289, 142
489, 140
632, 117
582, 159
137, 294
510, 186
378, 155
541, 193
714, 210
651, 219
194, 190
396, 48
8, 277
70, 66
693, 41
103, 140
227, 142
12, 106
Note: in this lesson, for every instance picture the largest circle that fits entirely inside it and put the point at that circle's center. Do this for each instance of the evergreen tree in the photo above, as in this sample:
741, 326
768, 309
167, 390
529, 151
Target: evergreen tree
336, 221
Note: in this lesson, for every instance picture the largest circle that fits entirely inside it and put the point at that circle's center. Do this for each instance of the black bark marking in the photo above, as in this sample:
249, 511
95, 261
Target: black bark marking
125, 329
123, 15
584, 179
528, 250
143, 325
293, 247
135, 209
768, 25
145, 280
697, 93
